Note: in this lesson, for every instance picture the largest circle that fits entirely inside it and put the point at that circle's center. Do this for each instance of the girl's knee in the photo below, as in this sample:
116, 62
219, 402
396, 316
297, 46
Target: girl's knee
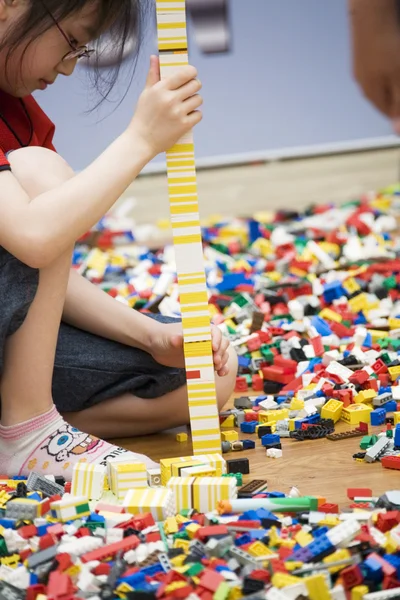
39, 169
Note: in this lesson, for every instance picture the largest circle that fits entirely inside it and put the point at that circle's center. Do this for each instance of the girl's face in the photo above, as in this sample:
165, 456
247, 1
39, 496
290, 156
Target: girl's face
37, 65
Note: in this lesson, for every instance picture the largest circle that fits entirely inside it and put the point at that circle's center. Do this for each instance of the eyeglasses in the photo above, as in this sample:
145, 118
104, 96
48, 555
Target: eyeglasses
77, 52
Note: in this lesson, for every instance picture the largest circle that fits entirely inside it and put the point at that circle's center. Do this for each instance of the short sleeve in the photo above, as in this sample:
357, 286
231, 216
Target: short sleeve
4, 164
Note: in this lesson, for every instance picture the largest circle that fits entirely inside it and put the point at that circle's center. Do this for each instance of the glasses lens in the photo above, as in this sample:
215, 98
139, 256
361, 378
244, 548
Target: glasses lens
78, 54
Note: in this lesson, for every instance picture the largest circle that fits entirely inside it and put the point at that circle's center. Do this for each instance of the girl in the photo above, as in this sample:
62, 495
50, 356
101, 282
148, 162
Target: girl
107, 369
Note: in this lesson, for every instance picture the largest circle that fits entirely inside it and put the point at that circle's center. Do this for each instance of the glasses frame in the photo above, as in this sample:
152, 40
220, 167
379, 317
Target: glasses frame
77, 52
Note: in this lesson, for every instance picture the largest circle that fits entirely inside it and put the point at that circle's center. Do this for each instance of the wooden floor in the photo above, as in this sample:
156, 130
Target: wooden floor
315, 467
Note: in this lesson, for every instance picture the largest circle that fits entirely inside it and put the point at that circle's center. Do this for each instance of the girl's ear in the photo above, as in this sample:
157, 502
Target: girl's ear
6, 6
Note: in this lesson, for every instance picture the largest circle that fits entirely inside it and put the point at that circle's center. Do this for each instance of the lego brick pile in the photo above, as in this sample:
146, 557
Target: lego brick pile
74, 540
309, 300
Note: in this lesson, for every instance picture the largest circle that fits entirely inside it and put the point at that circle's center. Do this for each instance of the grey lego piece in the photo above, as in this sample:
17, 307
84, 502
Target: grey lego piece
218, 547
165, 563
239, 418
242, 402
382, 399
226, 447
233, 564
244, 558
375, 451
43, 556
197, 548
38, 483
18, 510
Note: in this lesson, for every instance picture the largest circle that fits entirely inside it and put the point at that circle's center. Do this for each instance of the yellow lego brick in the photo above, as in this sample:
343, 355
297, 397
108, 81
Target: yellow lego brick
228, 423
229, 436
292, 565
292, 424
296, 404
396, 416
394, 323
10, 561
329, 521
331, 315
358, 303
282, 580
286, 543
341, 554
329, 247
390, 545
235, 593
358, 592
170, 526
317, 587
303, 538
274, 537
259, 549
177, 561
262, 246
274, 276
181, 437
365, 396
332, 410
351, 286
175, 585
272, 416
377, 334
192, 529
181, 519
355, 414
123, 589
184, 544
394, 372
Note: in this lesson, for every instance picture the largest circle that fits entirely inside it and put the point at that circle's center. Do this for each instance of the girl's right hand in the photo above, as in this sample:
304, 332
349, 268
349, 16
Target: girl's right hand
167, 109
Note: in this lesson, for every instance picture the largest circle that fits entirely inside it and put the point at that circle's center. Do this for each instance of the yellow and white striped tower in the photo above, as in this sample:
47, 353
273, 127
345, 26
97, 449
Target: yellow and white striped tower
182, 185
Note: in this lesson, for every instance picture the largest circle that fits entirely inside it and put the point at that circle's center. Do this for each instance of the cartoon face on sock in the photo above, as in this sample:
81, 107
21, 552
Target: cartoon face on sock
68, 440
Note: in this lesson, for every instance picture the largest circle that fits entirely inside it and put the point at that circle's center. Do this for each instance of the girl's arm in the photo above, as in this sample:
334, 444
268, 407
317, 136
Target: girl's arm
89, 308
375, 28
37, 232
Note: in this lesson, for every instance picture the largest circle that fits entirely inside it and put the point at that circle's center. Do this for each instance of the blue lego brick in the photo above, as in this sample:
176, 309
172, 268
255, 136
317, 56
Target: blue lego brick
368, 341
254, 231
360, 319
333, 291
8, 523
320, 531
372, 569
321, 326
34, 496
260, 399
397, 436
394, 560
248, 444
249, 515
257, 534
377, 416
42, 529
95, 518
243, 540
275, 495
303, 555
263, 513
231, 281
18, 478
244, 361
269, 439
321, 547
385, 389
248, 426
390, 406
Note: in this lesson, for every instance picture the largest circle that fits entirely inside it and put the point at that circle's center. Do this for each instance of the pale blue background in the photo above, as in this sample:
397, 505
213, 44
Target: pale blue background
287, 83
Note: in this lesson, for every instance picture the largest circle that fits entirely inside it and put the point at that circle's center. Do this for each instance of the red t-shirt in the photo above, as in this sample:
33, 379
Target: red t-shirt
22, 123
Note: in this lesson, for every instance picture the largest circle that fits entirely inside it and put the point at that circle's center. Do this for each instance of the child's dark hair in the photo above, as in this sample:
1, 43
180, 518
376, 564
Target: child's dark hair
122, 19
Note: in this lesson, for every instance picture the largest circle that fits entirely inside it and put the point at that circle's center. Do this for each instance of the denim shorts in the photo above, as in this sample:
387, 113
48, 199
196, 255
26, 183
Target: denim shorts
88, 369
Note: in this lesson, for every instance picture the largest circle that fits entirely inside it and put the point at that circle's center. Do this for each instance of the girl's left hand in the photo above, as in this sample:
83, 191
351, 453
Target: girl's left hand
166, 347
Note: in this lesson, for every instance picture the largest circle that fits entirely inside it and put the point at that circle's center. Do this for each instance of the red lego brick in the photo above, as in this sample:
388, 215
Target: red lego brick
27, 531
390, 583
277, 566
359, 492
64, 561
47, 540
387, 569
60, 586
103, 569
294, 385
57, 530
241, 384
34, 591
359, 377
210, 580
289, 366
251, 416
257, 383
329, 508
351, 576
261, 575
193, 374
210, 531
318, 346
391, 462
379, 366
386, 521
129, 543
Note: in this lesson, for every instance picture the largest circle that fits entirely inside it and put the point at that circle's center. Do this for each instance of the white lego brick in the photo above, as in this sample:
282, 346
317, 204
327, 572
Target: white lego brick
341, 371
